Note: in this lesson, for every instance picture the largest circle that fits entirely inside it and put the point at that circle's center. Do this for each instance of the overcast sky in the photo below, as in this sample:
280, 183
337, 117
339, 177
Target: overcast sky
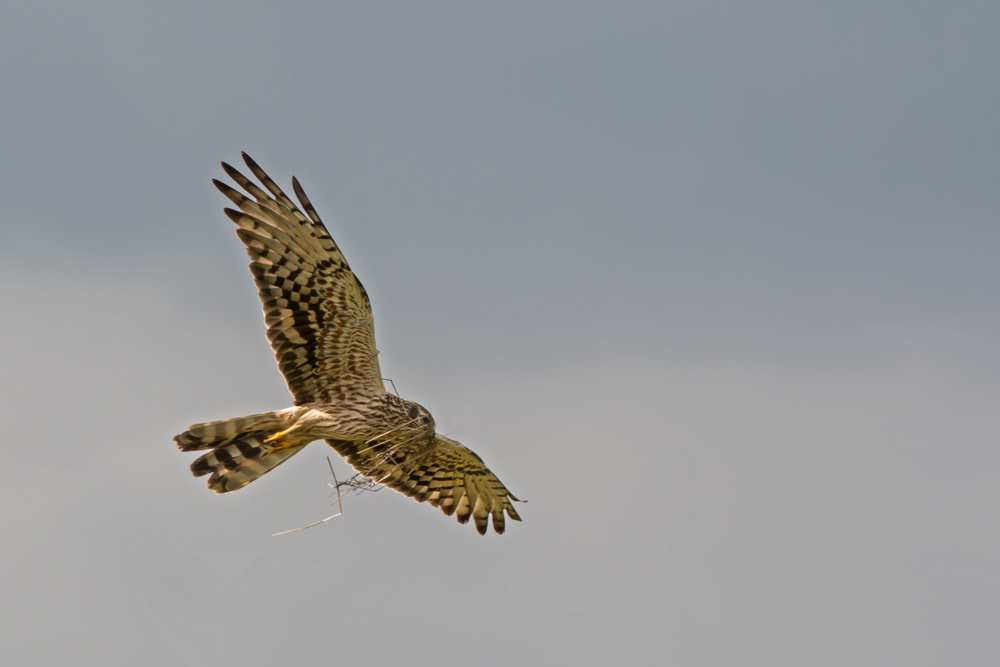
714, 285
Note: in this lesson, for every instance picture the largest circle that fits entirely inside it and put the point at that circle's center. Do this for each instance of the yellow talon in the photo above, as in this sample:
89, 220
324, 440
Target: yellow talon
278, 436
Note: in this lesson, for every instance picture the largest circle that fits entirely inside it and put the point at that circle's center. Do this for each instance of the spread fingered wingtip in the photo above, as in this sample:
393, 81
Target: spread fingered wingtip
224, 188
250, 162
232, 172
300, 194
234, 215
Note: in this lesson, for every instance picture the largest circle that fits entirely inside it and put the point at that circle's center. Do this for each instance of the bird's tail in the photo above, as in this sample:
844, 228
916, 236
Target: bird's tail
238, 454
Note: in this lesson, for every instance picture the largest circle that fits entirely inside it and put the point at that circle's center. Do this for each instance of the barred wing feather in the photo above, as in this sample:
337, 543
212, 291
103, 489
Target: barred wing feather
318, 316
448, 475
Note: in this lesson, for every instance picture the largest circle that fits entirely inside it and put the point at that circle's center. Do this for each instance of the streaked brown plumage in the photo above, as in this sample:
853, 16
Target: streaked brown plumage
319, 322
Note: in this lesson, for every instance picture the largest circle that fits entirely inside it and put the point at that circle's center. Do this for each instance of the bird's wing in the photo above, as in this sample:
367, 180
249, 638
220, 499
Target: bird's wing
318, 316
447, 475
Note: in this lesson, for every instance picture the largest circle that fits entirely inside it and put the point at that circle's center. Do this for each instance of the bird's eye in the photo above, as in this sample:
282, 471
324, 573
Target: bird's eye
414, 412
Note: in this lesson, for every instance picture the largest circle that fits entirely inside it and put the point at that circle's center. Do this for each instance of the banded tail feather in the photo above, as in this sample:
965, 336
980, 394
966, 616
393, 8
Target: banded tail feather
210, 435
238, 454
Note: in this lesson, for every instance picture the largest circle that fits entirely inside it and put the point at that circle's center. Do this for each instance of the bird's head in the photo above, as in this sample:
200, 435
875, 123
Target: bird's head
420, 416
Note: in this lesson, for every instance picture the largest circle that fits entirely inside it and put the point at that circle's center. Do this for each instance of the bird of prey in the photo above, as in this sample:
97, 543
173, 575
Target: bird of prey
319, 322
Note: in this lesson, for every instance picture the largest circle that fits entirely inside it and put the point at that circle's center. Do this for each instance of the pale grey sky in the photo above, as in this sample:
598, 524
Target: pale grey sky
713, 285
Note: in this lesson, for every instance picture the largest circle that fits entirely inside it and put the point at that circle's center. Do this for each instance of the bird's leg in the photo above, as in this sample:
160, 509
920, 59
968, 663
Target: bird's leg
280, 440
299, 433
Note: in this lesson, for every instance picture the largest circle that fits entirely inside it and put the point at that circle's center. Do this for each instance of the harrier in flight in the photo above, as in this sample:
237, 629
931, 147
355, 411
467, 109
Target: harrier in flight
319, 322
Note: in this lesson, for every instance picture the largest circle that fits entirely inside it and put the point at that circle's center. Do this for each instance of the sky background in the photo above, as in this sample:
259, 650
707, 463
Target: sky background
714, 285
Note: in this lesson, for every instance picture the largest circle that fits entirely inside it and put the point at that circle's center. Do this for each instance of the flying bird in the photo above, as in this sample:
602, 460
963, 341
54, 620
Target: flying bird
319, 322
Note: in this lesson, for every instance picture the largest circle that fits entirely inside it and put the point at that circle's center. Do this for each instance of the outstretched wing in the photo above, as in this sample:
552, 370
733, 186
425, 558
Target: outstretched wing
318, 316
447, 475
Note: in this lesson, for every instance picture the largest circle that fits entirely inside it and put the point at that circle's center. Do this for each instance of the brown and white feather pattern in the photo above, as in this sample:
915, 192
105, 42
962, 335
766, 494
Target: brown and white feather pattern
318, 316
443, 472
319, 322
236, 464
